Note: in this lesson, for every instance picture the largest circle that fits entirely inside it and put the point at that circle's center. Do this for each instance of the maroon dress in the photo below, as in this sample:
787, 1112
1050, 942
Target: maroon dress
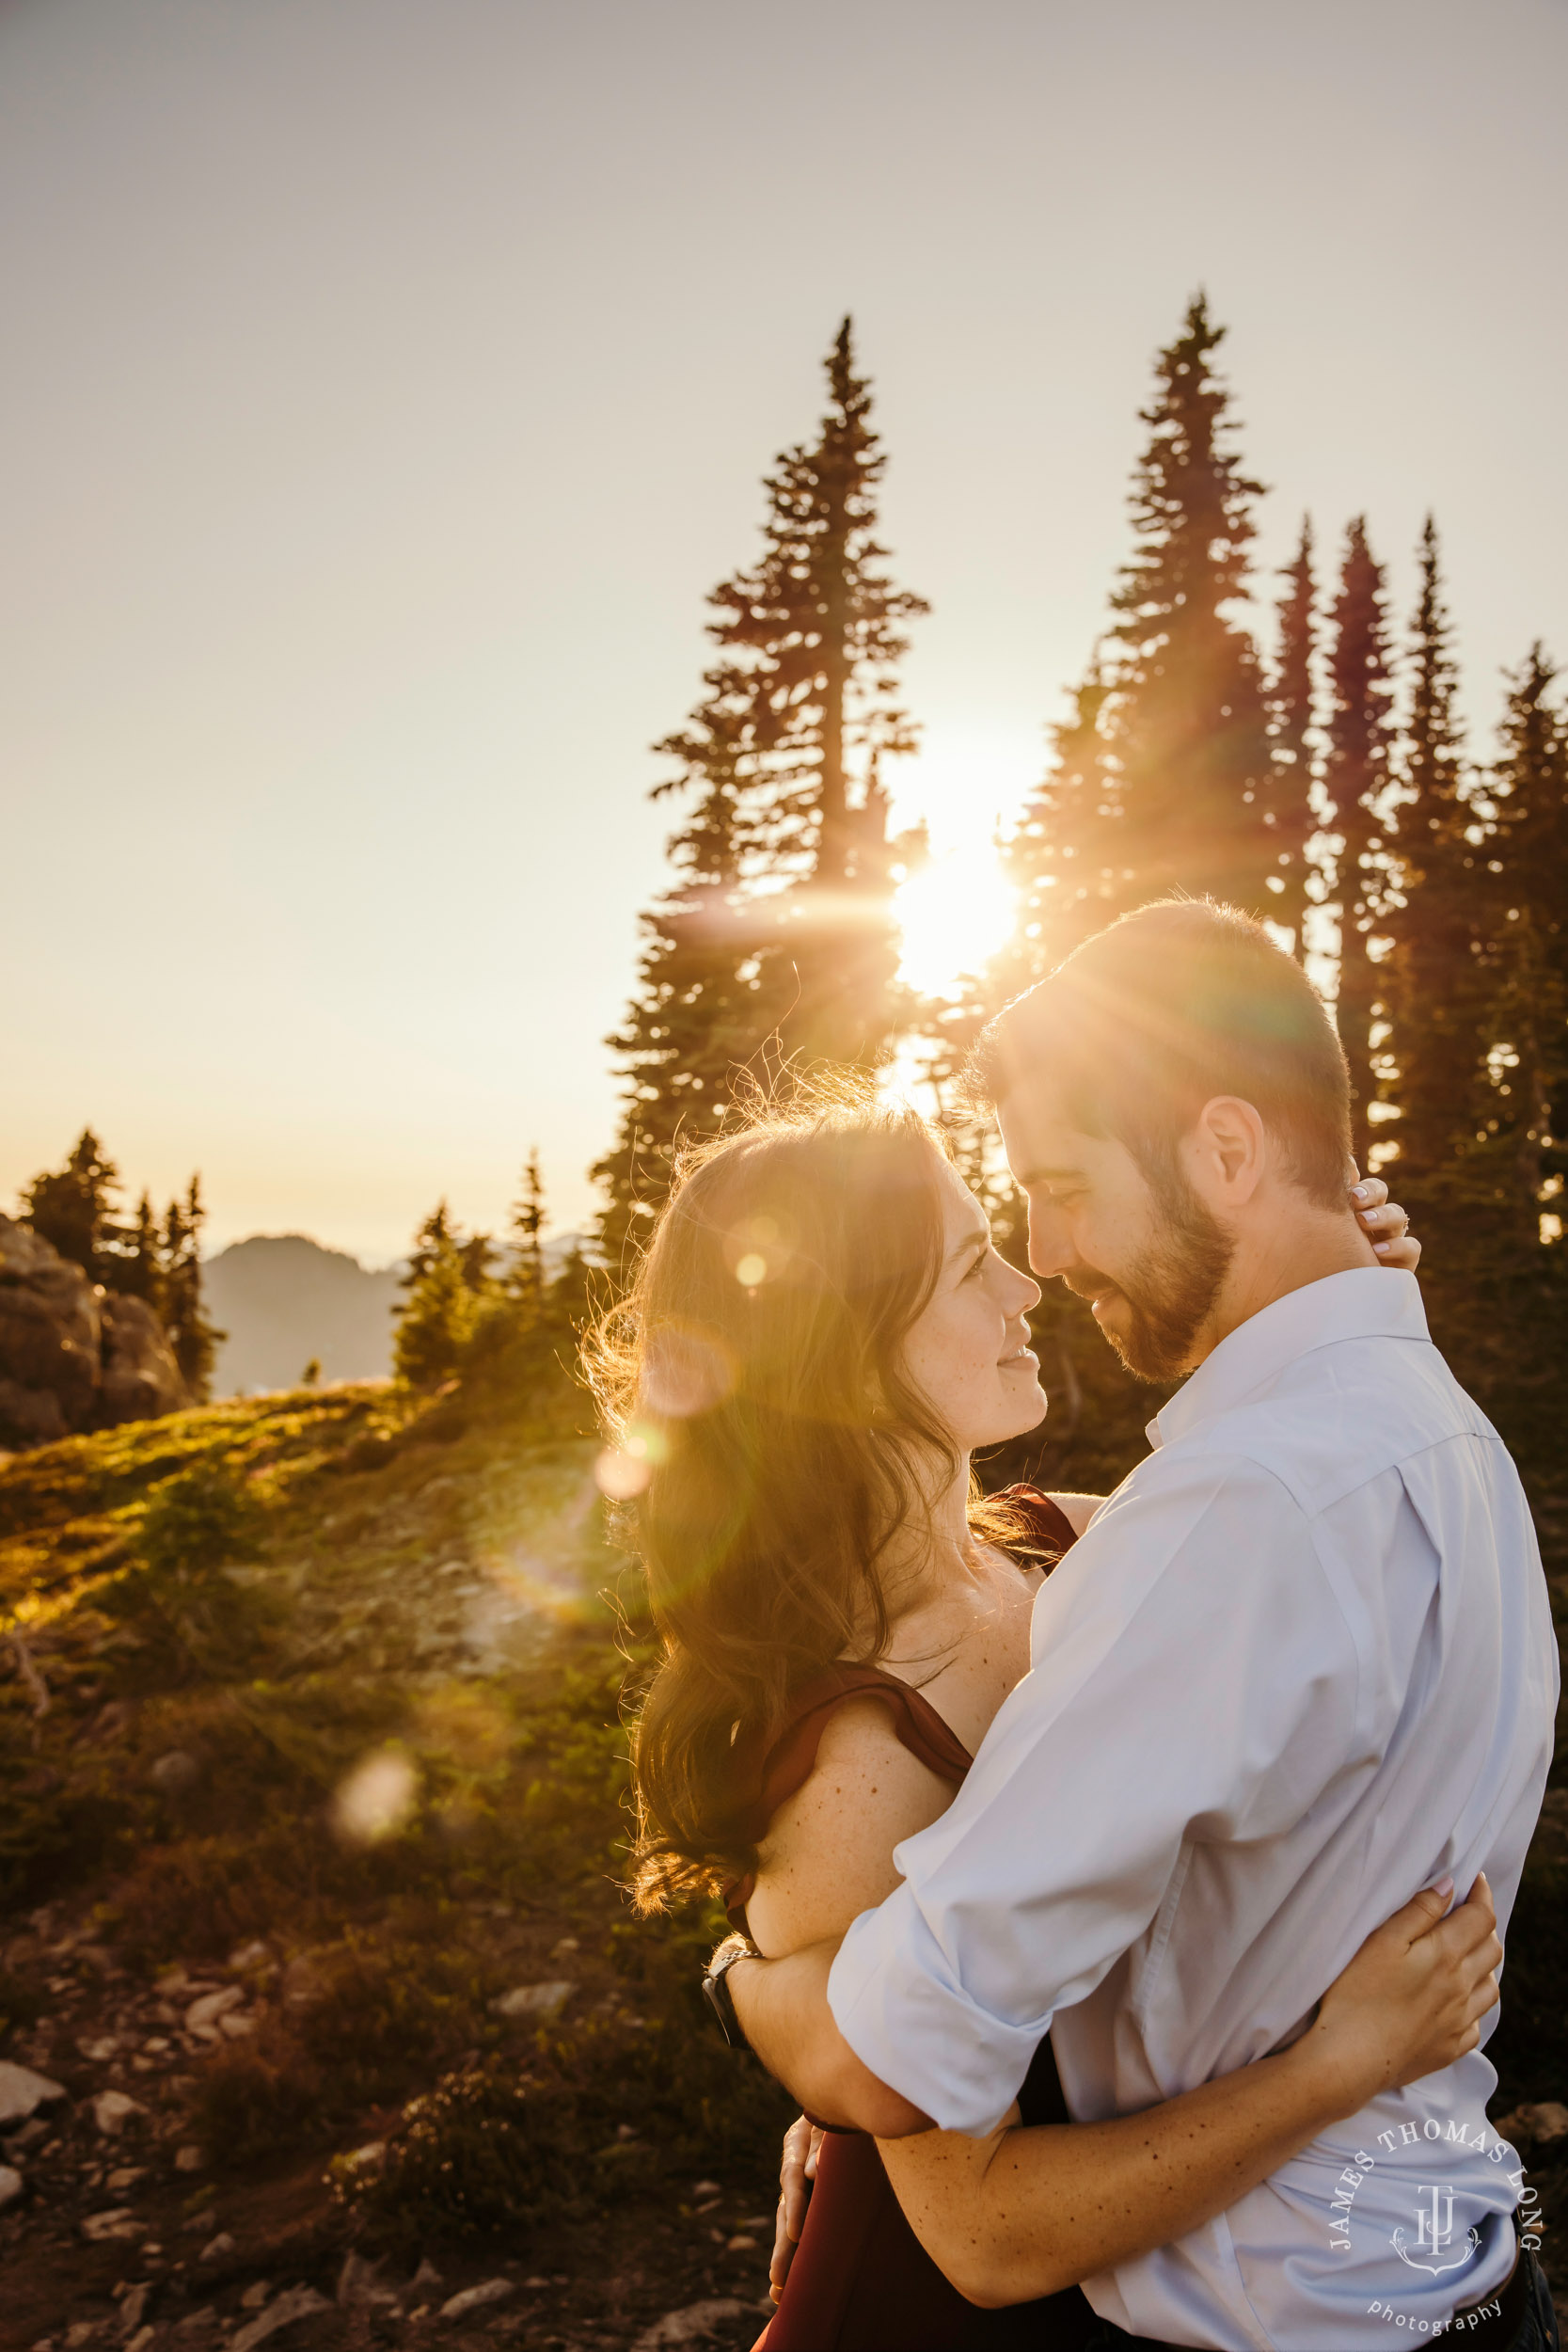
861, 2280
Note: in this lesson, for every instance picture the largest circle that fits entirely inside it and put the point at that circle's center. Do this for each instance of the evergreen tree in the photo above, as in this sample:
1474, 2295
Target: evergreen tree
778, 939
1188, 724
437, 1316
1291, 727
1065, 858
139, 1270
1441, 916
1357, 778
73, 1209
525, 1276
1524, 1135
193, 1337
1165, 777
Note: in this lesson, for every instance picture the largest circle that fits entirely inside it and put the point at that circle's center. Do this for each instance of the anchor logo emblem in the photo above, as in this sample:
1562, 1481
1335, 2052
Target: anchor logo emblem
1435, 2235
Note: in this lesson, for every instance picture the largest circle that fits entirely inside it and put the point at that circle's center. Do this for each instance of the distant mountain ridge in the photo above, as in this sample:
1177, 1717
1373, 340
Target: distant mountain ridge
283, 1298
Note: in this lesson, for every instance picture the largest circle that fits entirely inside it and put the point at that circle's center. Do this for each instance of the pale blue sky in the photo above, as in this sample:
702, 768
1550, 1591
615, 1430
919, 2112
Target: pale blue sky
386, 384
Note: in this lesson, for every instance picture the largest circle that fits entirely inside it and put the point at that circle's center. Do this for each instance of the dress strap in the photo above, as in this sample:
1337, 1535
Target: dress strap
791, 1758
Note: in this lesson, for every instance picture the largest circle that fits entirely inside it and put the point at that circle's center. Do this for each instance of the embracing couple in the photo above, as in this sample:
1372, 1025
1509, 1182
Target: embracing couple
1116, 1880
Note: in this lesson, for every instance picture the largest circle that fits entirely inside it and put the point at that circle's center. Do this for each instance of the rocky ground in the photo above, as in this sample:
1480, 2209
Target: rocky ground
320, 1827
120, 2231
322, 2015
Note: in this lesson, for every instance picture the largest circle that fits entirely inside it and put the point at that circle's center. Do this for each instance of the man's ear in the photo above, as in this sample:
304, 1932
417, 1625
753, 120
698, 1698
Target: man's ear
1230, 1148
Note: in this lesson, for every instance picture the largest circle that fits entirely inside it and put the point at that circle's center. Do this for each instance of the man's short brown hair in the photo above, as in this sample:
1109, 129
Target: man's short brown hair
1151, 1018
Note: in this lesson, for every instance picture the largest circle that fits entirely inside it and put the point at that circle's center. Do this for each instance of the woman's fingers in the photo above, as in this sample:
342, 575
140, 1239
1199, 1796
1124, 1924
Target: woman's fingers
1469, 1925
797, 2166
1385, 1225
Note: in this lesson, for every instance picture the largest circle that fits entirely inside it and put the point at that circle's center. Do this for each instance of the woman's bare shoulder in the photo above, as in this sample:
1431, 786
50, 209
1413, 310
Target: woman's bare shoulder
828, 1854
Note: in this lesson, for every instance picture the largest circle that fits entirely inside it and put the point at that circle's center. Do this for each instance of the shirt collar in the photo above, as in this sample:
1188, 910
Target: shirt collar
1366, 1302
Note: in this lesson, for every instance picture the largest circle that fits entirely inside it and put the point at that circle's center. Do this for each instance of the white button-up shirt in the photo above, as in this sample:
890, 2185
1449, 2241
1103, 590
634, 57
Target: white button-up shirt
1300, 1664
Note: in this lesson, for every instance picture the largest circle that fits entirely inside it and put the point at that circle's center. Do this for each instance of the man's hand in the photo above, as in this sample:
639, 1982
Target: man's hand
783, 2012
803, 2144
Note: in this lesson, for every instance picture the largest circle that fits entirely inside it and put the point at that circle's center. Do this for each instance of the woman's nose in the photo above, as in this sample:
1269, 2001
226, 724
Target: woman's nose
1025, 1291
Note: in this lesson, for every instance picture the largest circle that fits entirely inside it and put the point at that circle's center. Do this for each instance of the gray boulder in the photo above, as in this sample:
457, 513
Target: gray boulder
72, 1354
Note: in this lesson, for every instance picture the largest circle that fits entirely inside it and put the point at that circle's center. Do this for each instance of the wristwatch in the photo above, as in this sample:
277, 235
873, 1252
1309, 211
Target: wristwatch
716, 1991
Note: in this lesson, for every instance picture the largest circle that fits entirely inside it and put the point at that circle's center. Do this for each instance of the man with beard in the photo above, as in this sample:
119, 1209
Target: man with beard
1300, 1665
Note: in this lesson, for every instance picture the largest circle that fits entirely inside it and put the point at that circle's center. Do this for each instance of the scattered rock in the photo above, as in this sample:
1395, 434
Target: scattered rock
119, 2221
101, 2049
202, 2016
141, 2340
426, 2277
564, 1948
303, 1983
12, 2185
249, 1956
1536, 2125
295, 2303
474, 2299
126, 2176
216, 2247
697, 2323
707, 2188
22, 2092
534, 2000
254, 2297
173, 1773
741, 2246
134, 2310
359, 2283
189, 2158
113, 2109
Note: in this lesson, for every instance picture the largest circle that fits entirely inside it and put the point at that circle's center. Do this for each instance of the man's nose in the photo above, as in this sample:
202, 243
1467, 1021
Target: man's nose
1051, 1252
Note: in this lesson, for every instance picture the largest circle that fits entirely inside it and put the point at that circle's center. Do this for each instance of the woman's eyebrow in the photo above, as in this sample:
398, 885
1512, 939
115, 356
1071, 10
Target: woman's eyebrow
977, 1237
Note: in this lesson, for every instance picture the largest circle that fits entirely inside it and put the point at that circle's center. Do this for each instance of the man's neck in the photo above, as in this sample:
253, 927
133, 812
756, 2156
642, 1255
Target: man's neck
1279, 1253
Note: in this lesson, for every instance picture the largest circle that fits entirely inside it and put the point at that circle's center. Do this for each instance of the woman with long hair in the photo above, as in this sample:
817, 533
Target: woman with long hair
818, 1337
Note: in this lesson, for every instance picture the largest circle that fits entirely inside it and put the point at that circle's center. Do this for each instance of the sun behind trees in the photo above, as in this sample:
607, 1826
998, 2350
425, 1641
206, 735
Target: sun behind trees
778, 939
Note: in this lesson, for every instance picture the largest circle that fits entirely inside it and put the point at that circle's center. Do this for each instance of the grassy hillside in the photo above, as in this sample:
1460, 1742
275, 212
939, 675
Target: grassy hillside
311, 1755
314, 1810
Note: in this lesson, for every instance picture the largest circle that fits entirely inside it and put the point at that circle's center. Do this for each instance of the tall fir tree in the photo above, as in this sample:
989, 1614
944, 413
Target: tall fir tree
1064, 859
72, 1208
526, 1273
439, 1311
140, 1269
1188, 724
778, 939
1526, 1131
1165, 777
1441, 917
192, 1335
1357, 776
1293, 715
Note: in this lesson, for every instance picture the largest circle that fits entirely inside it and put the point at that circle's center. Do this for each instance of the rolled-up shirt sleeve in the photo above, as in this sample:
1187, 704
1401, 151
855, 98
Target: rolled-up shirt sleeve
1193, 1679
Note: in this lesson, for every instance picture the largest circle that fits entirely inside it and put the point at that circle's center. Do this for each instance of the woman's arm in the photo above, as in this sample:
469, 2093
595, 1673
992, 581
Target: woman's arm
1032, 2210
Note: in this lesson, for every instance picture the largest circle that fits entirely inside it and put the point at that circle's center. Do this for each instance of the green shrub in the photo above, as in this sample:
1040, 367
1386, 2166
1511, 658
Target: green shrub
189, 1595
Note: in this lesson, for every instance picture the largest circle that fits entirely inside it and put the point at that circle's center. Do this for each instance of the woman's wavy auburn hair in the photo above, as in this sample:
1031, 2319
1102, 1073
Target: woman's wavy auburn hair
754, 1377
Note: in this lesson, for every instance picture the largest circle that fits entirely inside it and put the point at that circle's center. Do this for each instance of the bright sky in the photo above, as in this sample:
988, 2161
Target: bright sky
386, 384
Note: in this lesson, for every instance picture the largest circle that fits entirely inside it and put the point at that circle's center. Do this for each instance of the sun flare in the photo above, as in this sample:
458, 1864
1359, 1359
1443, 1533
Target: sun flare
955, 913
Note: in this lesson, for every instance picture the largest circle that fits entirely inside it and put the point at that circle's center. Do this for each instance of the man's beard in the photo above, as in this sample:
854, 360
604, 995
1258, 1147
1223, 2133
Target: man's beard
1172, 1288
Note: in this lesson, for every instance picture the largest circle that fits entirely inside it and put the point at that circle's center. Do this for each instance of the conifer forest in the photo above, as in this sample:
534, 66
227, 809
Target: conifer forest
312, 1927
